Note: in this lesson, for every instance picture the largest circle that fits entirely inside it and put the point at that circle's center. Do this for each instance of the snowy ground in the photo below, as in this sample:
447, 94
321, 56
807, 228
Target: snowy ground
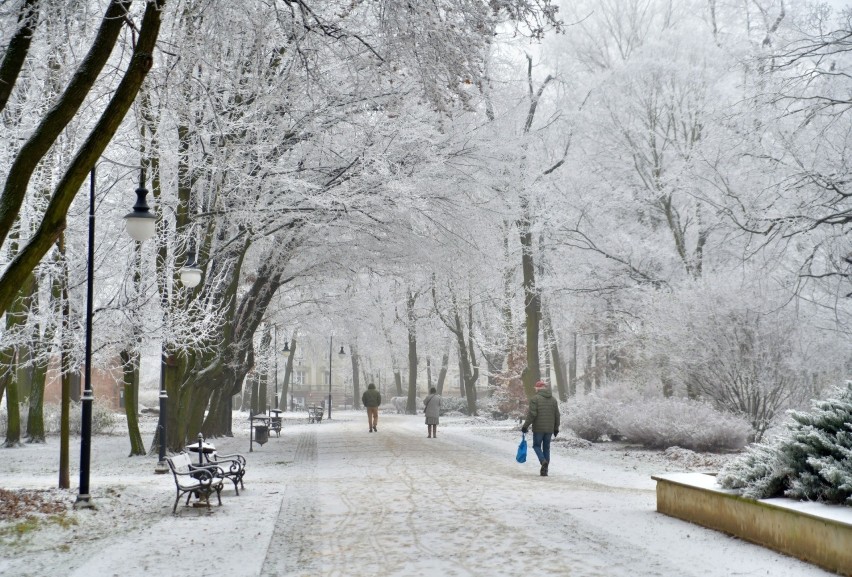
332, 499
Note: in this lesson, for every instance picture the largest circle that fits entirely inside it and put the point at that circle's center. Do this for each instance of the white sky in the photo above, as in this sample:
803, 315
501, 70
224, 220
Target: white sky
333, 499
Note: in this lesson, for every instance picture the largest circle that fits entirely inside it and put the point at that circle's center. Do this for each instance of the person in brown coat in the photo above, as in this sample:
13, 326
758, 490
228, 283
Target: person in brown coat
371, 400
543, 415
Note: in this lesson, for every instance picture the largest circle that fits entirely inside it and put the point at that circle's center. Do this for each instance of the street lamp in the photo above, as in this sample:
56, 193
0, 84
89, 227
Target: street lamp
341, 353
190, 273
141, 225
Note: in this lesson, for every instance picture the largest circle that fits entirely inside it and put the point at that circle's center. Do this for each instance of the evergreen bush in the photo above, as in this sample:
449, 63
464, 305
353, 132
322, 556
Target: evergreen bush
812, 460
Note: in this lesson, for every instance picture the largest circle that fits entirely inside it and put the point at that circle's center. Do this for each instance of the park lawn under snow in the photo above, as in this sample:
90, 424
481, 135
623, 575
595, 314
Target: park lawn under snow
333, 499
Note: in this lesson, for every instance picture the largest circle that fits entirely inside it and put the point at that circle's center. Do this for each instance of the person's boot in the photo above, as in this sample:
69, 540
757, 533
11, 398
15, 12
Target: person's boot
543, 471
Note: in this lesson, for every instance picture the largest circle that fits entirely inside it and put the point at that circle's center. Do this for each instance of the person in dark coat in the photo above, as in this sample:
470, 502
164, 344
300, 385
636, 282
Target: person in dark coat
371, 399
543, 415
432, 410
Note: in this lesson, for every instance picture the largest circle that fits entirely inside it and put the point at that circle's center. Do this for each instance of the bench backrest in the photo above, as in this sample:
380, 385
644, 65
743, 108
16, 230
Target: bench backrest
179, 463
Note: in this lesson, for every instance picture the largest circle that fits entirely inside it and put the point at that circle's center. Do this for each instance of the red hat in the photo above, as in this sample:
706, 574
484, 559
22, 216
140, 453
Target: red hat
540, 385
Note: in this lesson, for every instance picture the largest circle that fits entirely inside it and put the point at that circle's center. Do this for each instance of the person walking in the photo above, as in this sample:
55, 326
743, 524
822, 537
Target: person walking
371, 399
543, 415
432, 410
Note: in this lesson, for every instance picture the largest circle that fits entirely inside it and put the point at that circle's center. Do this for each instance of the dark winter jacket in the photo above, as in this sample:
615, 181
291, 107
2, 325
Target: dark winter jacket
371, 397
543, 413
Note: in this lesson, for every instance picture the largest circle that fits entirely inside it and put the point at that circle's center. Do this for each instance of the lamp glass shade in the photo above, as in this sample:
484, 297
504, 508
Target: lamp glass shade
140, 228
341, 352
190, 276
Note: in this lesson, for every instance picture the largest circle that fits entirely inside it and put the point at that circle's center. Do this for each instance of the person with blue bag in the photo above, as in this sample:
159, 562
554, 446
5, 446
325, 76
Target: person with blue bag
521, 455
543, 415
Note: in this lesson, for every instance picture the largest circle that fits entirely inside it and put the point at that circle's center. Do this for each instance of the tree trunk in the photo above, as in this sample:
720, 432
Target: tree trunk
397, 379
532, 303
17, 49
171, 377
411, 404
599, 367
558, 366
572, 367
35, 416
130, 370
442, 374
13, 412
65, 426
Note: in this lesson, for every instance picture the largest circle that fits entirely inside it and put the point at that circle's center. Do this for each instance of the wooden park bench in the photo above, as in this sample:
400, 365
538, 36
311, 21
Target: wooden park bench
198, 480
315, 414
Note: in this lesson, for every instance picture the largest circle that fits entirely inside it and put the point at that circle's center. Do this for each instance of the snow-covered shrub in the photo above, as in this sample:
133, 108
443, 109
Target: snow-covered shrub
811, 461
674, 422
149, 398
453, 405
491, 407
591, 417
104, 420
4, 418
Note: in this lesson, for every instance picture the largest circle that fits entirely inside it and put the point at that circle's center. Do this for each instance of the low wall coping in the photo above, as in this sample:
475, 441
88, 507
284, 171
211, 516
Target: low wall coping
837, 513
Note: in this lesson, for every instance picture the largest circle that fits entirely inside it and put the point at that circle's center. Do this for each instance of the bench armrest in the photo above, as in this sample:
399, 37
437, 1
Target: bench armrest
235, 457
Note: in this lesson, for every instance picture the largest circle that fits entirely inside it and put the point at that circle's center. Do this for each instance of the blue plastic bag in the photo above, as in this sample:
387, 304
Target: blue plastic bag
521, 457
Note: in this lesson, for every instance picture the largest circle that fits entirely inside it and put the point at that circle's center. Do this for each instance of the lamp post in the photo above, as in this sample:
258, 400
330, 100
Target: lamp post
275, 349
141, 225
287, 353
341, 353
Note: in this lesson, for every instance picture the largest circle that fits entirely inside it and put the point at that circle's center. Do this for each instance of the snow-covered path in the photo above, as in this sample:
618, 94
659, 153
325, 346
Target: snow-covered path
331, 499
397, 503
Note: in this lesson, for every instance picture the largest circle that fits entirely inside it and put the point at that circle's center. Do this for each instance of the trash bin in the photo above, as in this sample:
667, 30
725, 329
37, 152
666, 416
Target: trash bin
261, 434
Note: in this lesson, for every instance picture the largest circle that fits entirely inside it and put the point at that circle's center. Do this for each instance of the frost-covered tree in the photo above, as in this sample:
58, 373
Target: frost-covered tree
811, 461
741, 346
